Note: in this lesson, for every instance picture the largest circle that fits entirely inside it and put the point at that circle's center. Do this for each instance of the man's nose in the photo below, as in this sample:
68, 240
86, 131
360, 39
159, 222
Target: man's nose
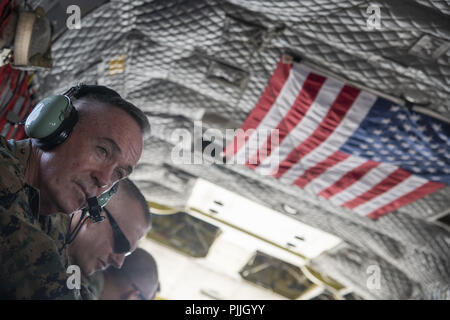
117, 260
103, 177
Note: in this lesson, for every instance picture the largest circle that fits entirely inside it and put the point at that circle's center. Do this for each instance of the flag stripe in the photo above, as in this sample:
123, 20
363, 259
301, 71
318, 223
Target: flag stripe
5, 129
348, 179
300, 107
315, 171
383, 186
366, 182
422, 191
345, 129
326, 127
281, 107
310, 121
20, 90
9, 135
406, 186
265, 103
335, 173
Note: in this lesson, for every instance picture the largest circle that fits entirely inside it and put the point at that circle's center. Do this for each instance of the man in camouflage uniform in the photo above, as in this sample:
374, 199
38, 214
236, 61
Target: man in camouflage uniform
31, 267
94, 247
103, 147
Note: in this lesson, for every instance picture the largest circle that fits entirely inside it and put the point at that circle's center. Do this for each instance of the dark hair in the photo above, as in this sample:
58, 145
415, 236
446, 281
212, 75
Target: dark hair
109, 96
139, 268
133, 191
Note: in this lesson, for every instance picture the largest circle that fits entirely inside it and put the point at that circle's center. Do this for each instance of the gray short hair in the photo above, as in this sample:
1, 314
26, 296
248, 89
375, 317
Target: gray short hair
110, 97
133, 191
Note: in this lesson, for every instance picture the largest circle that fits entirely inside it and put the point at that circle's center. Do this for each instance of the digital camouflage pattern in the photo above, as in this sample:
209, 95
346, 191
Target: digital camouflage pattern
57, 227
30, 264
92, 286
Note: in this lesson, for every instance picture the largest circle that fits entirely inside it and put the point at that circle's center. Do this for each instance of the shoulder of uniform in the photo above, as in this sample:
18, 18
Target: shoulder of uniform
56, 226
27, 250
16, 196
12, 165
88, 288
7, 151
58, 222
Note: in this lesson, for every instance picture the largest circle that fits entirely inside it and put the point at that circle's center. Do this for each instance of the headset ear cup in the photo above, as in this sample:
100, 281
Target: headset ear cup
61, 134
51, 121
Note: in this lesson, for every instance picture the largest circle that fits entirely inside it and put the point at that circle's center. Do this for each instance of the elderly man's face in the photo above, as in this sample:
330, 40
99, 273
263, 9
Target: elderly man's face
93, 248
104, 147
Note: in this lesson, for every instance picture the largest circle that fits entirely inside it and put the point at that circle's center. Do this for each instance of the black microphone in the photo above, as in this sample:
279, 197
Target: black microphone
95, 210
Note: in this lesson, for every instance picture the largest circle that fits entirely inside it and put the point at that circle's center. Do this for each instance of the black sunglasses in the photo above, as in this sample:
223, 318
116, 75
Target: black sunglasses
121, 243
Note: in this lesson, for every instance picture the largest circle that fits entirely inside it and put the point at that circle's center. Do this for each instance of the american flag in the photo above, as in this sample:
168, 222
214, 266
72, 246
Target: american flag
358, 150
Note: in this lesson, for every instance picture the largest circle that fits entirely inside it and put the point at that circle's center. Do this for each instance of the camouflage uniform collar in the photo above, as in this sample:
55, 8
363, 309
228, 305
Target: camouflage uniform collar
22, 151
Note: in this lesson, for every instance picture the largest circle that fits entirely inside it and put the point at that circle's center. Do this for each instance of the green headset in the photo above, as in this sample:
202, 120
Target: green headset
104, 197
52, 120
95, 205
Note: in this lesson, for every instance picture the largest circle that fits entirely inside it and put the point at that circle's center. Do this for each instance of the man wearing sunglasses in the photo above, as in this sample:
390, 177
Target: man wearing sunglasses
99, 245
96, 246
